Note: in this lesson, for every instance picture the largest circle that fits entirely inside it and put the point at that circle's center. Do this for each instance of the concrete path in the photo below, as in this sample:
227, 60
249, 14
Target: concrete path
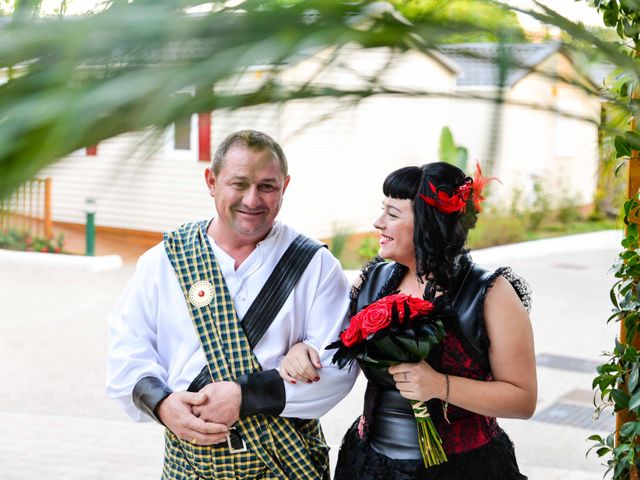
56, 422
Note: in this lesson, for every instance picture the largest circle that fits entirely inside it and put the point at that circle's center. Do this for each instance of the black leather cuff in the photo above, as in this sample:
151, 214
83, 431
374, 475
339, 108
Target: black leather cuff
148, 393
262, 392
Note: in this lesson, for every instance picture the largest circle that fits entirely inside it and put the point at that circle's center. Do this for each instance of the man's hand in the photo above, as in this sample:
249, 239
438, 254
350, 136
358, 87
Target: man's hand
222, 404
176, 413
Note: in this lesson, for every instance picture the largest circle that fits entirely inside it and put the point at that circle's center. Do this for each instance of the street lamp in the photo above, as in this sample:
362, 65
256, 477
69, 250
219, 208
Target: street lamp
90, 229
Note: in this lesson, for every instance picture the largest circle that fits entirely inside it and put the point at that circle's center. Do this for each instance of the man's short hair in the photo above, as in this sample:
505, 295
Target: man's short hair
251, 139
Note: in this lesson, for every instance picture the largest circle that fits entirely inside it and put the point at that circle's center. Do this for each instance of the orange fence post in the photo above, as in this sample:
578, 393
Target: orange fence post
48, 224
633, 188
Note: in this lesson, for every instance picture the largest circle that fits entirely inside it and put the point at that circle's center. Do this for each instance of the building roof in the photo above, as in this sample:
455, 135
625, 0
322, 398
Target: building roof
598, 72
478, 62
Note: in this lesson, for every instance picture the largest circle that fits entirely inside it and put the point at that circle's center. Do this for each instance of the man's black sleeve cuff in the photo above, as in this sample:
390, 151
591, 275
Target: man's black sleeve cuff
147, 395
262, 392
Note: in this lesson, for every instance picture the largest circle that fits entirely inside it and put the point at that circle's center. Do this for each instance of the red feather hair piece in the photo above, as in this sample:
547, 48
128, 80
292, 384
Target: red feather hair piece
457, 202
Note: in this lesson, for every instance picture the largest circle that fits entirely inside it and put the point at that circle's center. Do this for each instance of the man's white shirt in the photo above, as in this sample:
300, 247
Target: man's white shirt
152, 334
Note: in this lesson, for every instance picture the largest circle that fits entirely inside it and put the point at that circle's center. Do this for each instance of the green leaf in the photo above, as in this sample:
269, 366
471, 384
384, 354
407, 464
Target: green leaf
622, 448
625, 89
621, 399
614, 299
630, 29
633, 139
447, 146
622, 147
634, 403
462, 158
632, 383
628, 428
610, 15
610, 441
628, 6
596, 438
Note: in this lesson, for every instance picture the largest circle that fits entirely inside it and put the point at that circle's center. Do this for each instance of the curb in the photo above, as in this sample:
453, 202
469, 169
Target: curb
583, 242
72, 262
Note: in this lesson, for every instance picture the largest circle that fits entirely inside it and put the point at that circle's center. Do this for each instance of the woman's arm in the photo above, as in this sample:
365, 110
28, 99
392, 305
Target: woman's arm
514, 391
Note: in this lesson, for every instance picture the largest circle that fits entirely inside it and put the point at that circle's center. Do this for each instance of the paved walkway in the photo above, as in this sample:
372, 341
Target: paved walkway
56, 422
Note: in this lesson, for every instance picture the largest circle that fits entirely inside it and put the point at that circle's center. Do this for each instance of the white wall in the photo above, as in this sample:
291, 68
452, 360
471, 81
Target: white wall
534, 142
340, 152
140, 190
337, 165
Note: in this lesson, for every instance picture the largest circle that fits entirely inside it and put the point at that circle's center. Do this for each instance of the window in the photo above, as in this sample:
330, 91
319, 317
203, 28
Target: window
182, 134
190, 137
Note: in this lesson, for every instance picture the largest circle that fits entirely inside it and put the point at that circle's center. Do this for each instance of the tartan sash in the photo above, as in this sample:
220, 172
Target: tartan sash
277, 447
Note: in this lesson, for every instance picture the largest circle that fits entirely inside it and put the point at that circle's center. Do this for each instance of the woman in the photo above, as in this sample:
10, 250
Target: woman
483, 369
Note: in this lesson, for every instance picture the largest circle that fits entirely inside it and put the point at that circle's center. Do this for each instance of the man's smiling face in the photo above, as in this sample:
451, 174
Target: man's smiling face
247, 192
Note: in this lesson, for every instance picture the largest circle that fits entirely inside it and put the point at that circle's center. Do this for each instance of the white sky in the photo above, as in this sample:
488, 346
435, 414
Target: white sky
578, 11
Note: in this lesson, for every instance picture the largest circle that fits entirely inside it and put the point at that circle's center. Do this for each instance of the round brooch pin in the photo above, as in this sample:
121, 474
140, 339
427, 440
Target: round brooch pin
201, 293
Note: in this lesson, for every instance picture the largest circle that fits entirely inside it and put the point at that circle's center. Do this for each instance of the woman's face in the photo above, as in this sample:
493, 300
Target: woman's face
396, 231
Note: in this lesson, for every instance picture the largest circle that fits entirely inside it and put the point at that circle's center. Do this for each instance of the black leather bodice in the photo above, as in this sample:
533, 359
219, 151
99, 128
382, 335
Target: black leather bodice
471, 286
394, 431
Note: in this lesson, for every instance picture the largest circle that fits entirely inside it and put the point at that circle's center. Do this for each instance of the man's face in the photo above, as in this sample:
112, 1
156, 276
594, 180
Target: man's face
247, 192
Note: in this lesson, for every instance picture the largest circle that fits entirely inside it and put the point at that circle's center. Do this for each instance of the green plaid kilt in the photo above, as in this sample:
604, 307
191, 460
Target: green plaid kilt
277, 447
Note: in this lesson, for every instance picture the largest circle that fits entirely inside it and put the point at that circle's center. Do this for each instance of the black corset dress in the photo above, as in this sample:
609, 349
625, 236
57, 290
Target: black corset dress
382, 443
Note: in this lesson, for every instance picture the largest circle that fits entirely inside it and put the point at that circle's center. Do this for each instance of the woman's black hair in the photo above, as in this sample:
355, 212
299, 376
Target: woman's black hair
438, 237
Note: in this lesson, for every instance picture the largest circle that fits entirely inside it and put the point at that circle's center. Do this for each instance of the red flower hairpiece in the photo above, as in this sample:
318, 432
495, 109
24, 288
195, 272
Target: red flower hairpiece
477, 185
457, 202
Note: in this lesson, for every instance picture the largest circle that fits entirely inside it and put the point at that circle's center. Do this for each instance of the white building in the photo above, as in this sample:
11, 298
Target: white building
338, 163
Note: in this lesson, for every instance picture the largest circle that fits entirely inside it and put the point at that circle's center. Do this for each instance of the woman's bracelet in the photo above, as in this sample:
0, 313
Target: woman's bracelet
445, 403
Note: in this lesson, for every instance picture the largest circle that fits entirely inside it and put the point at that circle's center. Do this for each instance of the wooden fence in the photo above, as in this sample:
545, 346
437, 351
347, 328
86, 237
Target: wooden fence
28, 209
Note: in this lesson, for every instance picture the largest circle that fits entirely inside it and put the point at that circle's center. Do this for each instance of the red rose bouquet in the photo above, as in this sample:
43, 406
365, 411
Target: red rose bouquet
397, 328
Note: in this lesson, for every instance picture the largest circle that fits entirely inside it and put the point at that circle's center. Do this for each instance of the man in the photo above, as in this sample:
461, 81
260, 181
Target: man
179, 316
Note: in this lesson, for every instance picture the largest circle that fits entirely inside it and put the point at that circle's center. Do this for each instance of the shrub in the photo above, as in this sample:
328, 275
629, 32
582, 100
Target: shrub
368, 248
496, 230
12, 239
339, 240
540, 206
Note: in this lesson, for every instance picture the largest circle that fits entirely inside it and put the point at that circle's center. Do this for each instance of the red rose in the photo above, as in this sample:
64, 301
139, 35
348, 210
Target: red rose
376, 317
353, 334
418, 307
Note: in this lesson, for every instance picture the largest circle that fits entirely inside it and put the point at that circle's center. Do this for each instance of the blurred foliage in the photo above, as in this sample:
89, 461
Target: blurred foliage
74, 82
450, 152
612, 176
500, 24
340, 236
368, 248
13, 239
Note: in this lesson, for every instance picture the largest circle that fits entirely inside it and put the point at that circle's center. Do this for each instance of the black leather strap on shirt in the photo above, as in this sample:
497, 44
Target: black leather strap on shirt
262, 392
277, 288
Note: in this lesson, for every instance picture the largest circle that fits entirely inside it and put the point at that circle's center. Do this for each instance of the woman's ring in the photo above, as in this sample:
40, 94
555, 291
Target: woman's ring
405, 376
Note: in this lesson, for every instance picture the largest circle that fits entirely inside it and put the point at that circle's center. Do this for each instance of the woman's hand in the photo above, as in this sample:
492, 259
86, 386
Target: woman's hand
418, 381
300, 363
512, 391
